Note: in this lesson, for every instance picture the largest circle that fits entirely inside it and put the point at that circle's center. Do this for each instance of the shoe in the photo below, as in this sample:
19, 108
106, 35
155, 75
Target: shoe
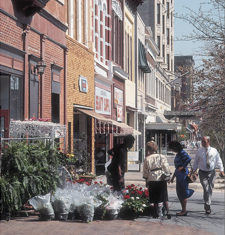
156, 216
181, 214
208, 211
168, 216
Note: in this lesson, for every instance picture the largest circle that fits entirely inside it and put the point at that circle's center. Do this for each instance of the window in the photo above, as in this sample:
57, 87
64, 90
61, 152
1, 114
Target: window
163, 53
168, 61
168, 36
163, 26
171, 43
11, 95
157, 92
56, 89
168, 9
158, 43
55, 108
130, 70
158, 13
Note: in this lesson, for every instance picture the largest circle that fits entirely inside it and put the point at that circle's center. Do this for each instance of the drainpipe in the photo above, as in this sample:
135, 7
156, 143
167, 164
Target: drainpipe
26, 69
42, 77
65, 95
135, 78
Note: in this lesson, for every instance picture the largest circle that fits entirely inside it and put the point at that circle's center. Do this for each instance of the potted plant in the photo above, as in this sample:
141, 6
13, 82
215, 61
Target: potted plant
135, 202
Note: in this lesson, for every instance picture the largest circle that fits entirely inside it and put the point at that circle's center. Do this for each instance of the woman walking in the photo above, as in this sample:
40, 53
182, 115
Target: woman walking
154, 166
181, 161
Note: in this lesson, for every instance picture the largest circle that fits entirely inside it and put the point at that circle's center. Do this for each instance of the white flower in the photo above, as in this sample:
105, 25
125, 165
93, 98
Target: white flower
132, 198
137, 197
144, 205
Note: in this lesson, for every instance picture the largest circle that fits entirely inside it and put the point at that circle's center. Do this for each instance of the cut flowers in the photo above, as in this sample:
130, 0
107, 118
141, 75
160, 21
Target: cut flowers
135, 201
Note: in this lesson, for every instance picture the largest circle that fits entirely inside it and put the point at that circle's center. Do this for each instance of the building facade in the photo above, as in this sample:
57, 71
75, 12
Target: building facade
157, 14
80, 79
32, 37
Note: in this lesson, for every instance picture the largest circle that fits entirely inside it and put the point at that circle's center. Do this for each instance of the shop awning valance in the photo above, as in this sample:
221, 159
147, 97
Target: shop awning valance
105, 125
95, 115
142, 62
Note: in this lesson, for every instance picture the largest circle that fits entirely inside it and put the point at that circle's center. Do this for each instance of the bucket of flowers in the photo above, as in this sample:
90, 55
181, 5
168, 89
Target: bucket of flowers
135, 202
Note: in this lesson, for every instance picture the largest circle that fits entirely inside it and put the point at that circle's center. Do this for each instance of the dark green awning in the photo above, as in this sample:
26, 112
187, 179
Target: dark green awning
142, 63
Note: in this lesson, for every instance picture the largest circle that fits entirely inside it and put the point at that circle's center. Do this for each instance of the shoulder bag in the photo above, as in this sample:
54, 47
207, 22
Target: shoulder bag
164, 176
192, 175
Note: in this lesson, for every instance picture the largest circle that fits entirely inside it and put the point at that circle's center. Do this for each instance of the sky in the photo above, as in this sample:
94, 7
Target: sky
183, 28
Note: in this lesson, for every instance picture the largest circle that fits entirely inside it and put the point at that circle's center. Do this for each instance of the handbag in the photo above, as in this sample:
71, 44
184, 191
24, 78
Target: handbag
192, 175
164, 176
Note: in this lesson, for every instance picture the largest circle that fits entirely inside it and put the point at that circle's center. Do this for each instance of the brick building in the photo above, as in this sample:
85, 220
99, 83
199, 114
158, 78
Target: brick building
32, 32
80, 79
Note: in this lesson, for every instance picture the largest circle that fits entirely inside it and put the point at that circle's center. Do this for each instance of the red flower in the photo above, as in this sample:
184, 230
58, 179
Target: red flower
133, 192
58, 148
101, 182
6, 146
96, 182
132, 185
111, 187
126, 197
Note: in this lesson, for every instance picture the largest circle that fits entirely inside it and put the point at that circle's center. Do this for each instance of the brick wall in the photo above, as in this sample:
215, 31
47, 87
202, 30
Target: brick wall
80, 62
11, 32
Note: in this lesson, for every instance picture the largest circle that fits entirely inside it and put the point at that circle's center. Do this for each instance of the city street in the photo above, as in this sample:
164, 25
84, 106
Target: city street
196, 222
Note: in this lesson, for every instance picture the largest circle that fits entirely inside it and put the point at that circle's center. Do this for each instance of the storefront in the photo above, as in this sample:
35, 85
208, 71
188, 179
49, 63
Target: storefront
162, 134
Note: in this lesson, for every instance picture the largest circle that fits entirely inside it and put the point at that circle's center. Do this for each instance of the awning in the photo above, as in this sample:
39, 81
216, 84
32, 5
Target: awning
142, 62
188, 130
160, 118
125, 129
106, 125
95, 115
164, 126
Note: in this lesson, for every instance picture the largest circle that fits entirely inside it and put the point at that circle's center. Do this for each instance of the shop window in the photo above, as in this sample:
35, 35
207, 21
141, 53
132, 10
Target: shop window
11, 95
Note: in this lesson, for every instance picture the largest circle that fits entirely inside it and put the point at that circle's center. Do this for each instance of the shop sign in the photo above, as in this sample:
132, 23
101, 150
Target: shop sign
102, 101
83, 84
118, 96
132, 156
119, 113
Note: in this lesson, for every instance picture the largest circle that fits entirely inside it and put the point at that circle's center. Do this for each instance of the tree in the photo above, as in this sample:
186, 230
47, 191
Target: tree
209, 80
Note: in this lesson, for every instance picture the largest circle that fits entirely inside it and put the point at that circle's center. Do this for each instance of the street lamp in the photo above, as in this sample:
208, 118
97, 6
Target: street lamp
40, 67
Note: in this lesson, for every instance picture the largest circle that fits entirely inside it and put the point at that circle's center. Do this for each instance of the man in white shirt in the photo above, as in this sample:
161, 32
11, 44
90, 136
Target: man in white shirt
206, 159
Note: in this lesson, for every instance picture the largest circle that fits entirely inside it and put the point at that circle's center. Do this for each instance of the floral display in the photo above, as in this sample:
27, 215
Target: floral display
43, 205
135, 201
97, 200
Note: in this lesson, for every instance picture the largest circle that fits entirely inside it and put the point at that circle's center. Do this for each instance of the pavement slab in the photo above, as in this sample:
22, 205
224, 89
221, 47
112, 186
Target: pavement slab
32, 226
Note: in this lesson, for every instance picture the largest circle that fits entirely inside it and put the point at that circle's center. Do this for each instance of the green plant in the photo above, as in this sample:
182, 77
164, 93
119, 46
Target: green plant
27, 170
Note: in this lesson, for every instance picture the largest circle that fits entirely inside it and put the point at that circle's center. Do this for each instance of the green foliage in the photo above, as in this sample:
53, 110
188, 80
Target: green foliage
28, 169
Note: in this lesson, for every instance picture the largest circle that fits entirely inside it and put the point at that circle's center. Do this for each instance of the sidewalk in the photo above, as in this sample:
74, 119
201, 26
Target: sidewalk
197, 222
31, 226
